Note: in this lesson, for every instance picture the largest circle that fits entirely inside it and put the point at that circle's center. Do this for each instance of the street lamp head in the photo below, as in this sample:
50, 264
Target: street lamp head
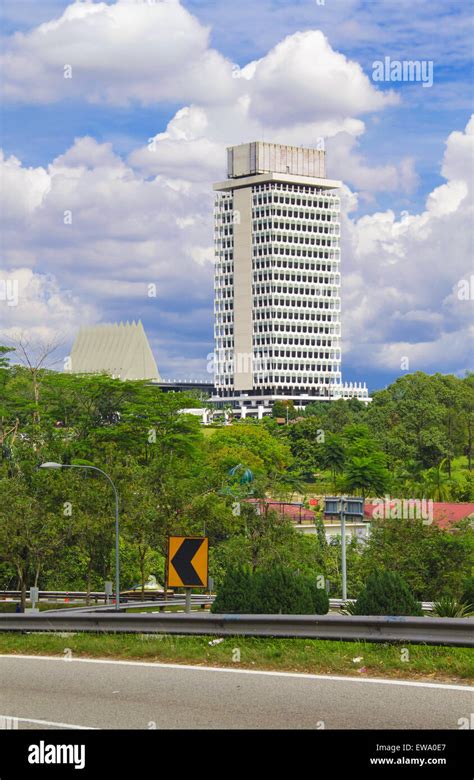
51, 465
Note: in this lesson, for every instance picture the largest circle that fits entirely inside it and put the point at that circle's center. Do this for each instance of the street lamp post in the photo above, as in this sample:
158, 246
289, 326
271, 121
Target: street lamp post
51, 465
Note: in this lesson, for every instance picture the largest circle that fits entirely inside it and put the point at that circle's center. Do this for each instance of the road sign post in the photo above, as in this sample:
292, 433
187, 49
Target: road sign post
187, 607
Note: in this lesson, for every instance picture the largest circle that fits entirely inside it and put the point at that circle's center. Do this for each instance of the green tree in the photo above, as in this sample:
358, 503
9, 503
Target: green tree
367, 475
29, 536
333, 457
436, 483
306, 438
432, 561
139, 522
273, 453
420, 418
467, 414
285, 410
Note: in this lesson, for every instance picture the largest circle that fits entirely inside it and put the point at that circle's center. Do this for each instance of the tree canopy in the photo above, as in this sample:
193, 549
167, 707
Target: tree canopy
175, 476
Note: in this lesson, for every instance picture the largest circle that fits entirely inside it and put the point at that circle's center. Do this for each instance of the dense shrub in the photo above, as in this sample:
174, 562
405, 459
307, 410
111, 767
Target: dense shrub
386, 593
468, 592
279, 590
235, 593
320, 598
269, 592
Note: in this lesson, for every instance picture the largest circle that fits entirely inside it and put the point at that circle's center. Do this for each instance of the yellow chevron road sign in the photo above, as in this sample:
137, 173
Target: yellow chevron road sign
188, 558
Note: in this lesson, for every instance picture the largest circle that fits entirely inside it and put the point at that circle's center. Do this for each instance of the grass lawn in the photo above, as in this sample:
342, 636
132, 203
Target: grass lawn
404, 661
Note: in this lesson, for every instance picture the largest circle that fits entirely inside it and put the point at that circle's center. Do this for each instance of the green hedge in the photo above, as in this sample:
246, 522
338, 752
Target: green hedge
270, 592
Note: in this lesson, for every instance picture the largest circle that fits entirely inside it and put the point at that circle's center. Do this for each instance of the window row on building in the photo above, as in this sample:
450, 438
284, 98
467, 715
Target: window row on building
278, 264
306, 225
309, 291
293, 314
268, 341
302, 217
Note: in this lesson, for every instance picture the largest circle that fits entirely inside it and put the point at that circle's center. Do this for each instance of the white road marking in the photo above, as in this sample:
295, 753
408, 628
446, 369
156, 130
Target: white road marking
48, 723
297, 675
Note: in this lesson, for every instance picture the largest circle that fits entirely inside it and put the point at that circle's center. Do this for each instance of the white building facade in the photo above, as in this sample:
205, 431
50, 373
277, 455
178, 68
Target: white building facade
277, 280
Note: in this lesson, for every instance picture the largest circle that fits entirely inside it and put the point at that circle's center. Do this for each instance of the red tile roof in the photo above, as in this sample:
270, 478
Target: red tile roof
445, 514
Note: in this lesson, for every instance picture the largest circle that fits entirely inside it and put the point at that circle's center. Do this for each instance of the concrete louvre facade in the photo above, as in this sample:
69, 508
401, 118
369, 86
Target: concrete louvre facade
277, 280
119, 349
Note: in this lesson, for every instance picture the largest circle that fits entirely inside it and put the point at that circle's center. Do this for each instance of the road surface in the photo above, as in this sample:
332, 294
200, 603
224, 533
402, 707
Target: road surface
54, 693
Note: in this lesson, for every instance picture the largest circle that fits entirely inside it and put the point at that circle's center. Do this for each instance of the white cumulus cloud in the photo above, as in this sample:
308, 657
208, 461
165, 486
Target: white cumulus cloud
120, 53
402, 277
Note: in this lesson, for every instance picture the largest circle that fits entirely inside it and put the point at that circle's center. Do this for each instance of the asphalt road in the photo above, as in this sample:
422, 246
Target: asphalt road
51, 693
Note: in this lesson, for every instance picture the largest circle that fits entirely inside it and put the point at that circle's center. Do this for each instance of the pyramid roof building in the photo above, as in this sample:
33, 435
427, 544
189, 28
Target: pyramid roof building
119, 349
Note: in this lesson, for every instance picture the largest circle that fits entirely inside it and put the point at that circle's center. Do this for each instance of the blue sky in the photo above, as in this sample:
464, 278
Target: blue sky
397, 147
247, 30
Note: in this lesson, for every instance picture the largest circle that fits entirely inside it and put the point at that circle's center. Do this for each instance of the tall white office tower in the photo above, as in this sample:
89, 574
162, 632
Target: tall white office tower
277, 280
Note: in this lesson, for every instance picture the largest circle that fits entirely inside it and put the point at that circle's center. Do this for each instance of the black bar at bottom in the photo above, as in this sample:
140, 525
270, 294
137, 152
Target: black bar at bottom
111, 753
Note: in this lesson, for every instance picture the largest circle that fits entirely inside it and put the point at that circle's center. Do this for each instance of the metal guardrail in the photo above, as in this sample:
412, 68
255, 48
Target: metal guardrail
176, 601
82, 594
51, 594
426, 630
427, 606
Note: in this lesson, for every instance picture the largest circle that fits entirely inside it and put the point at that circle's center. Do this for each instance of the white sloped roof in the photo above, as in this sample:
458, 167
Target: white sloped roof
119, 349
